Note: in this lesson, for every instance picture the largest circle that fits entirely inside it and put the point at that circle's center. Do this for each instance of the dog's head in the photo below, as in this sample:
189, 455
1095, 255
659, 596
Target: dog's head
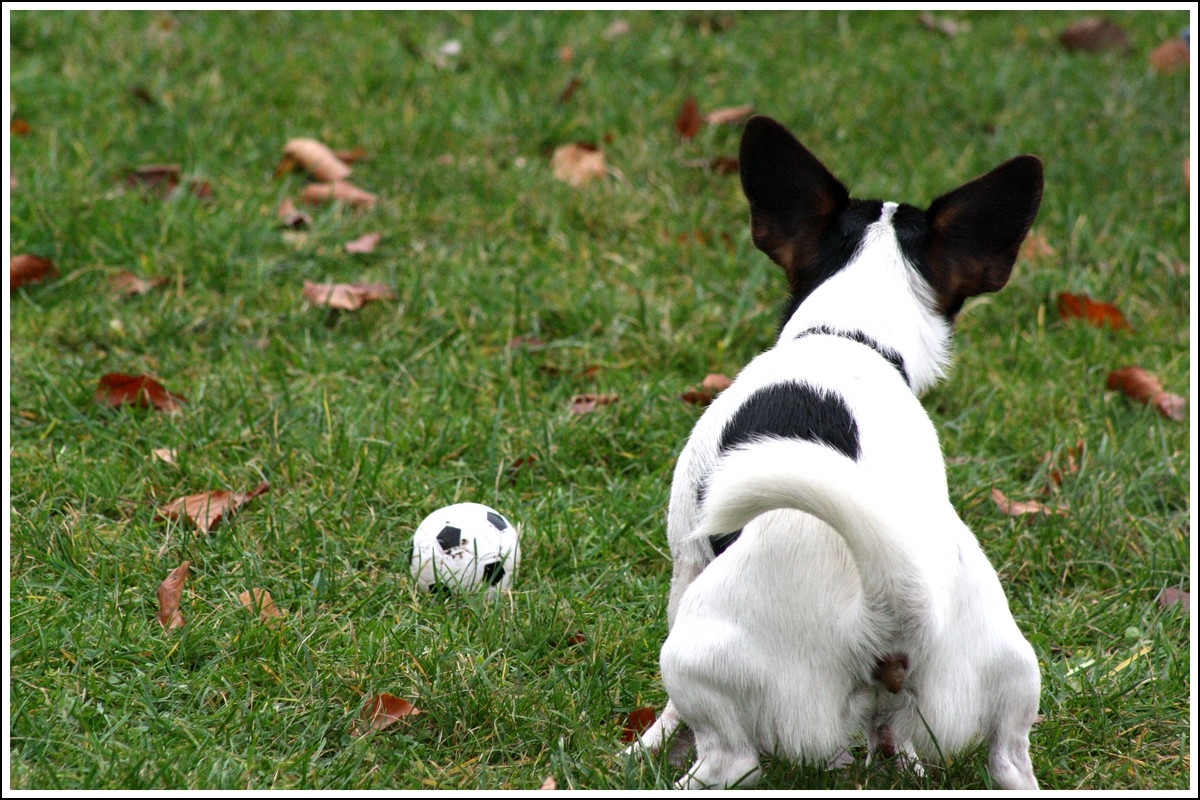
963, 245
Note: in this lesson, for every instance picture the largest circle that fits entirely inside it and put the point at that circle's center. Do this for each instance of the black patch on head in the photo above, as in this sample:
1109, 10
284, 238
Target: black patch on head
722, 542
497, 521
449, 538
493, 573
794, 411
838, 245
893, 357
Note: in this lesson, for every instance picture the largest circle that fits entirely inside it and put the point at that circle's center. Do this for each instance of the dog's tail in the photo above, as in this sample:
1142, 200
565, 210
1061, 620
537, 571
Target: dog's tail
775, 473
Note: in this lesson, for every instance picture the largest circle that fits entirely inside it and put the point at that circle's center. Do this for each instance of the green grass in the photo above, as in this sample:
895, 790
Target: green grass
365, 422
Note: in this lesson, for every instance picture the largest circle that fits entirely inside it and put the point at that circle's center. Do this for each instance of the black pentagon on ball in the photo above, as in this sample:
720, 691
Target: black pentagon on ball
497, 521
493, 573
449, 538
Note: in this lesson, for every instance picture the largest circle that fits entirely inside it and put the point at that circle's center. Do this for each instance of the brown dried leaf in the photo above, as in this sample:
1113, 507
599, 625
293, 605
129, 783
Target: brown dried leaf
259, 600
206, 509
1036, 247
717, 382
170, 591
127, 284
20, 127
1142, 386
569, 91
141, 391
381, 711
1094, 35
1170, 56
729, 116
1175, 597
164, 454
1017, 508
292, 217
637, 722
1055, 475
346, 296
364, 244
158, 178
578, 163
618, 28
587, 403
342, 191
320, 162
352, 156
688, 123
724, 165
1080, 306
24, 269
942, 25
514, 470
549, 784
696, 397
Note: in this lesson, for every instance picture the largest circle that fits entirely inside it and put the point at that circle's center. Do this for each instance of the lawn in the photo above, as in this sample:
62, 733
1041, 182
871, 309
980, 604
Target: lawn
512, 292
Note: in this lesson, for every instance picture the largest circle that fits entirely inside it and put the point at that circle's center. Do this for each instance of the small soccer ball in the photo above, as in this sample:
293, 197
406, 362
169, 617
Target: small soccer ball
463, 547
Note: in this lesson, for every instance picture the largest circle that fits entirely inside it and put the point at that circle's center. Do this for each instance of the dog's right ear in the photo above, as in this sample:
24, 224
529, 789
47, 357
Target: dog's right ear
793, 197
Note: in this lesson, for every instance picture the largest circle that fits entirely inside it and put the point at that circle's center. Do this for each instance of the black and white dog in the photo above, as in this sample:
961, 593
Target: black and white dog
824, 586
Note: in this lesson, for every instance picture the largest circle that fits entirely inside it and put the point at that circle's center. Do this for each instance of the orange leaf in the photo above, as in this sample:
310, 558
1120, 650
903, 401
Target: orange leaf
24, 269
364, 244
381, 711
578, 163
342, 191
260, 600
587, 403
1081, 306
206, 509
1017, 508
20, 127
169, 593
320, 162
1170, 56
1094, 35
346, 296
728, 116
127, 284
292, 217
637, 722
1140, 385
688, 123
142, 391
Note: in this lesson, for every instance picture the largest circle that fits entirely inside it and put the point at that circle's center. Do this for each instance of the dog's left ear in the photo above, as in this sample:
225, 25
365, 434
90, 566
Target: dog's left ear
975, 231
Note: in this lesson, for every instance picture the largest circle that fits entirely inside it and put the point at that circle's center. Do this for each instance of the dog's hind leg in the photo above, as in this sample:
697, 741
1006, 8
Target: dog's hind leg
721, 765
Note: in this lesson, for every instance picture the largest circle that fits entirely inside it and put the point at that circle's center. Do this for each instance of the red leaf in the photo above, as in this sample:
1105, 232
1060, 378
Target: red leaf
587, 403
346, 296
25, 269
1017, 508
696, 397
364, 244
206, 509
381, 711
638, 721
1175, 597
1170, 56
170, 591
1140, 385
1071, 306
1094, 35
688, 123
19, 127
142, 391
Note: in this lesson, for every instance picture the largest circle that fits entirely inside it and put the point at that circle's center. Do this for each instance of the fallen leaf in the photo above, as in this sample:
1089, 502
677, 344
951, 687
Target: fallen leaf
342, 191
206, 509
942, 25
1080, 306
637, 722
127, 284
717, 382
566, 54
1036, 247
158, 178
292, 217
364, 244
1175, 597
688, 123
1094, 35
164, 454
728, 116
201, 189
549, 784
1055, 475
587, 403
352, 156
259, 600
20, 127
618, 28
578, 163
24, 269
569, 91
697, 397
1142, 386
381, 711
346, 296
141, 391
1170, 56
318, 160
1017, 508
514, 470
170, 591
724, 165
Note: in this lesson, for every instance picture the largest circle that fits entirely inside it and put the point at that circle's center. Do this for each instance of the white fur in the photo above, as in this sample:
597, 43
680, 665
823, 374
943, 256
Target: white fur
773, 644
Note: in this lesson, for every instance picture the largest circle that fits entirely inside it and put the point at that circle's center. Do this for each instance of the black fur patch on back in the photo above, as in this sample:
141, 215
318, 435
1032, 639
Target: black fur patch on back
835, 250
894, 358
